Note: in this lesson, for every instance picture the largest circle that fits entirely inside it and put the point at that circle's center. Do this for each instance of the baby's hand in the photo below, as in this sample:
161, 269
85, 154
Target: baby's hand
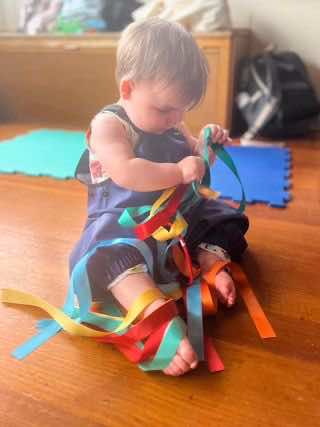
192, 169
218, 135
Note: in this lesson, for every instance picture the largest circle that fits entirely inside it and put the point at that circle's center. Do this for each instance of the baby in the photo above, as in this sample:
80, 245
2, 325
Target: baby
138, 147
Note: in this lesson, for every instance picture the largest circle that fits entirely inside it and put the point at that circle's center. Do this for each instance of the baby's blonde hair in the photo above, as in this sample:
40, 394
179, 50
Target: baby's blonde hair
158, 50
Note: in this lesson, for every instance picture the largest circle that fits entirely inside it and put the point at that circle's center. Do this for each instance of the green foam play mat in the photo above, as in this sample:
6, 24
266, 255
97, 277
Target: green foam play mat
44, 152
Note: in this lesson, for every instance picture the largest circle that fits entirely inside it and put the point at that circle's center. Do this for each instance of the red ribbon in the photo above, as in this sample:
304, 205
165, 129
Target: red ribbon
143, 231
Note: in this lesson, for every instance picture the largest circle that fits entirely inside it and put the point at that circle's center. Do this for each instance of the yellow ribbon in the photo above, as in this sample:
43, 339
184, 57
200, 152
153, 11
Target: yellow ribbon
13, 296
161, 200
176, 229
179, 225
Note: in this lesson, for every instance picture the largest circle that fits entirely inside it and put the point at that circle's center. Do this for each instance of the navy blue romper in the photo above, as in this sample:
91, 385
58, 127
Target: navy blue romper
209, 221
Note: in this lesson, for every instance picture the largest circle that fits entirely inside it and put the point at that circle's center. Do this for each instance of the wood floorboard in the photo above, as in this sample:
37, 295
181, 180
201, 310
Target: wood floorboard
79, 383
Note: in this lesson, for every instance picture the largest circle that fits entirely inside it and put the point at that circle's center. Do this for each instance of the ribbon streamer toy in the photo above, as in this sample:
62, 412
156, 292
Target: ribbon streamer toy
152, 341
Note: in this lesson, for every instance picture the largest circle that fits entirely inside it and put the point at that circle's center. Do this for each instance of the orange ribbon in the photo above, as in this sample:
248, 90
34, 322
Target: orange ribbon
209, 300
257, 314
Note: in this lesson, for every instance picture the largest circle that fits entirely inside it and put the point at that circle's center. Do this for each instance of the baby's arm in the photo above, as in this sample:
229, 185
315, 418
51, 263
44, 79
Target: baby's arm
111, 146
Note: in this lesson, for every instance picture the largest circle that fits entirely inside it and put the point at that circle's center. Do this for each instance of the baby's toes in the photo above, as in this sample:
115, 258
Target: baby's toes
225, 289
231, 296
177, 367
187, 353
172, 370
183, 361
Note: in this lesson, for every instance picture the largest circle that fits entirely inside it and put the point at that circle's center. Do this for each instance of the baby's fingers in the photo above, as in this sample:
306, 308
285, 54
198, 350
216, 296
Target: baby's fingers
212, 156
220, 135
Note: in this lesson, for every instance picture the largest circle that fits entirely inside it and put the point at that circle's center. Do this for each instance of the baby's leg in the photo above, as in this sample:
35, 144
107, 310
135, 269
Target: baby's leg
126, 291
224, 285
216, 223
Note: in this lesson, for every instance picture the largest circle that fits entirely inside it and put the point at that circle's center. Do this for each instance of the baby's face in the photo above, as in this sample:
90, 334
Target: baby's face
155, 107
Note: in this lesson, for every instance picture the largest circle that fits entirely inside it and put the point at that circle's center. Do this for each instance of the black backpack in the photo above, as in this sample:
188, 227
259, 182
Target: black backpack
275, 97
117, 13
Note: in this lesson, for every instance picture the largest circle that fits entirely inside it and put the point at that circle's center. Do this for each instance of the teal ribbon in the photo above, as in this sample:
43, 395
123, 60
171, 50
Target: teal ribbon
225, 157
176, 331
127, 218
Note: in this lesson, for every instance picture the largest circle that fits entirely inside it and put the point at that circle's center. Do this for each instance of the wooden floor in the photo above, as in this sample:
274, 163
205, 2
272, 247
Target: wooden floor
76, 382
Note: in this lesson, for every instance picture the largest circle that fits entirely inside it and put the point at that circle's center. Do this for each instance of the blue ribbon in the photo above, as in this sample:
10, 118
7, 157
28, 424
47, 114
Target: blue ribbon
195, 318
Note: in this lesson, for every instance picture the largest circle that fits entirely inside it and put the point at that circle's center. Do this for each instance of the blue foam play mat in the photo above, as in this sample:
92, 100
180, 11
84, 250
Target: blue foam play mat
264, 171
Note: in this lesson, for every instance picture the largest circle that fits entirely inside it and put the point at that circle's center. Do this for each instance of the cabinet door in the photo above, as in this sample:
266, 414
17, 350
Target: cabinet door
64, 83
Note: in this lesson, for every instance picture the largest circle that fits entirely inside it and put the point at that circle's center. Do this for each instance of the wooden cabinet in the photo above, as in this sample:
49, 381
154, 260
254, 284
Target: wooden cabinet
66, 80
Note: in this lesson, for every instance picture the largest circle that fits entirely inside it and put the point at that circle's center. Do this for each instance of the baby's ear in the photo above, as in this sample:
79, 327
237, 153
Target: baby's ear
126, 87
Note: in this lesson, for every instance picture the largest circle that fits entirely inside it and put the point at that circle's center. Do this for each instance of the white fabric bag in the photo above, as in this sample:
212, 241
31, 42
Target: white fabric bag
196, 15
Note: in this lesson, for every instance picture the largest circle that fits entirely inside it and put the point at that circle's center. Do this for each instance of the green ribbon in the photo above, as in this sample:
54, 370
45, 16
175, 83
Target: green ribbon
223, 155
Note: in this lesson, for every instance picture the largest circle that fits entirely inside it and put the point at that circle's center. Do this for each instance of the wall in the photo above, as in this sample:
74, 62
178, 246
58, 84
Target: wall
289, 24
9, 14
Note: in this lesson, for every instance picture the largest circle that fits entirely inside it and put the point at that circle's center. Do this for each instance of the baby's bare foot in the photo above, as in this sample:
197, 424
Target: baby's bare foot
225, 289
185, 358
